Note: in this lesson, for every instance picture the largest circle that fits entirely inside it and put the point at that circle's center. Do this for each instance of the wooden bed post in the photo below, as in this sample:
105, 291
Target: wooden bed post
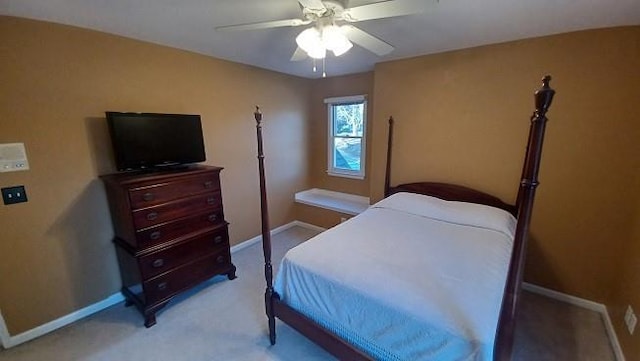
266, 233
506, 325
387, 175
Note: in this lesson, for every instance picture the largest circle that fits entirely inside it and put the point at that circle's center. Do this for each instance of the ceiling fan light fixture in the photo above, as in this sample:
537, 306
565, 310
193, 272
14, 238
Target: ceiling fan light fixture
316, 41
342, 48
334, 39
317, 53
310, 41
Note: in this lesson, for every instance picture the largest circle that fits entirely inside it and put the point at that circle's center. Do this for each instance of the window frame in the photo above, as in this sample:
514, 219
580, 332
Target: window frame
338, 172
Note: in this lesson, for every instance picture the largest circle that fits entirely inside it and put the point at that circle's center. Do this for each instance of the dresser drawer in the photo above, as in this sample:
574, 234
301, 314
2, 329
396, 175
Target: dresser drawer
166, 259
159, 193
151, 216
167, 231
181, 278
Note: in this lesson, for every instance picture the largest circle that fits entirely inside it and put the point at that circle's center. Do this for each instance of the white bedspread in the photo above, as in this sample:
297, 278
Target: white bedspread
411, 278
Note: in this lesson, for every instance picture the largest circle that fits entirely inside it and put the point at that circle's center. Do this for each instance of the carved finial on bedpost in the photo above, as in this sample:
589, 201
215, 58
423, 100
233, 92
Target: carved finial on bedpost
544, 96
387, 175
258, 115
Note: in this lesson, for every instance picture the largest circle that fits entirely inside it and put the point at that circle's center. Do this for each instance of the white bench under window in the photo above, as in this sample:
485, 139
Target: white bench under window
336, 201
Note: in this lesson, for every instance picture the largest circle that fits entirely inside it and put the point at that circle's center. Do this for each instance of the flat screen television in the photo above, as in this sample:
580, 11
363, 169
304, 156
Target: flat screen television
151, 140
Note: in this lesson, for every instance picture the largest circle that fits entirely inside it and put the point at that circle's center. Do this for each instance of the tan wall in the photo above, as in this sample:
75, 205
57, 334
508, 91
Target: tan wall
462, 117
358, 84
56, 254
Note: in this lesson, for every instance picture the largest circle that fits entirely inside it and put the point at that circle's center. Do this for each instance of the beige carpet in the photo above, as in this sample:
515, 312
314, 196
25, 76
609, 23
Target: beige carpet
224, 320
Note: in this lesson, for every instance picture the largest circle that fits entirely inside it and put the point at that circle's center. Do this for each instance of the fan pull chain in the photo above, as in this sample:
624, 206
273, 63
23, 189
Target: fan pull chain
314, 65
324, 74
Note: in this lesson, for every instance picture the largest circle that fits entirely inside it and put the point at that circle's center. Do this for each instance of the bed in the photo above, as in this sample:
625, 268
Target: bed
431, 272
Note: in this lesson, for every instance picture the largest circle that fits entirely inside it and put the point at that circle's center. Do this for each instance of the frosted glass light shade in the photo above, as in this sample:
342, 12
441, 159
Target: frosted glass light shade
310, 41
334, 39
315, 42
317, 53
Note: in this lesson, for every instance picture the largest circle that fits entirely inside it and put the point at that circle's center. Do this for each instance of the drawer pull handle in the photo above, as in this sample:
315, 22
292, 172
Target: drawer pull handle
152, 216
213, 217
158, 263
155, 235
217, 240
162, 286
211, 200
220, 259
148, 196
208, 184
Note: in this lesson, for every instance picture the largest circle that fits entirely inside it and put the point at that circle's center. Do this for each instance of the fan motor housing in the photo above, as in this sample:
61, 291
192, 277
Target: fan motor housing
333, 9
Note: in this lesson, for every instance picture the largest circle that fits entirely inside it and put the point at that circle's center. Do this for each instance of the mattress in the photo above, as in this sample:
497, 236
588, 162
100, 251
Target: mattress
411, 278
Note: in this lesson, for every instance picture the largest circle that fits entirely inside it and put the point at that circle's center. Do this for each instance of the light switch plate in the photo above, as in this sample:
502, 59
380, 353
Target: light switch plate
13, 195
13, 157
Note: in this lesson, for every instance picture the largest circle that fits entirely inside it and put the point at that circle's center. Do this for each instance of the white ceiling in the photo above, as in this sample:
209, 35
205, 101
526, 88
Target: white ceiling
444, 25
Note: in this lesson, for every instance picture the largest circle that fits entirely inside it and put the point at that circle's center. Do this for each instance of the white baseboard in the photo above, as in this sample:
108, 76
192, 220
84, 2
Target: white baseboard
613, 337
581, 302
258, 238
308, 226
9, 341
576, 301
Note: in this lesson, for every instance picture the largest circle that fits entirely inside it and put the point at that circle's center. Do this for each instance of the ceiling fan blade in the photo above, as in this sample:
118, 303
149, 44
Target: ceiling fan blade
298, 55
264, 25
315, 5
367, 40
385, 9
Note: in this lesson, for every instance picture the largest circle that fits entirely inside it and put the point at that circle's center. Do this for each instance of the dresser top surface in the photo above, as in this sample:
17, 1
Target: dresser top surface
156, 175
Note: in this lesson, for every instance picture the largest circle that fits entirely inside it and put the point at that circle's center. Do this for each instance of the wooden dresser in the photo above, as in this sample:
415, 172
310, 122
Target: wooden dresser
170, 233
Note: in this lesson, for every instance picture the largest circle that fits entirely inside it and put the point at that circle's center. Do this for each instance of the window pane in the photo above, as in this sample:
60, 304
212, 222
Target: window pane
346, 153
348, 119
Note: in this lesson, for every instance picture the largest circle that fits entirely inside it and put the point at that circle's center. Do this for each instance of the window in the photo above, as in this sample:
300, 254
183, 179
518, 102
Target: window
347, 133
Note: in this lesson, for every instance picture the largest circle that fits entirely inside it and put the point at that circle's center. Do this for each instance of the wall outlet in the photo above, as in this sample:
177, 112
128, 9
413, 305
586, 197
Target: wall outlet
630, 319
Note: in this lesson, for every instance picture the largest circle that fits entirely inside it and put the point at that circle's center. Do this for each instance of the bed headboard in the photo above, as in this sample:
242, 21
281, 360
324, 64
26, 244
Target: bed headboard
453, 192
450, 192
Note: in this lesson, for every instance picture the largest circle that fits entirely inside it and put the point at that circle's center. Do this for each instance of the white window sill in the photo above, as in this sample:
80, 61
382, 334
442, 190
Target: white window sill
345, 175
336, 201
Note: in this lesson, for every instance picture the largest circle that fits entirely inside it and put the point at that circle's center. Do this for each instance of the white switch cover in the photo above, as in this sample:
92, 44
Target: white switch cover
13, 157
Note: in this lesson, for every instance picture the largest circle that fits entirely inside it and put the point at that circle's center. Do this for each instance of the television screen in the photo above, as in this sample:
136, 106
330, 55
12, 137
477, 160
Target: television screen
149, 140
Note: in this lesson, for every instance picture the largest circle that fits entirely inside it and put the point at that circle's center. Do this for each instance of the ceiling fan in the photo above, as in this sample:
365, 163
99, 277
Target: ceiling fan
325, 34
